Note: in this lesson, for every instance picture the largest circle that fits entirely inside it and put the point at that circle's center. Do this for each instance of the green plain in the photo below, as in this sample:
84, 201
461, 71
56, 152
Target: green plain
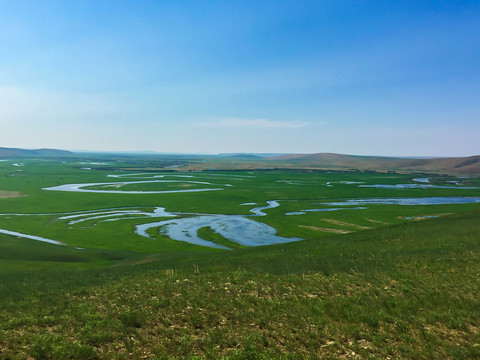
390, 288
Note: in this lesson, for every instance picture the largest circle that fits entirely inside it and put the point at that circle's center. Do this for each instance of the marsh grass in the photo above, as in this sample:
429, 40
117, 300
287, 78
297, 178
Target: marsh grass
307, 189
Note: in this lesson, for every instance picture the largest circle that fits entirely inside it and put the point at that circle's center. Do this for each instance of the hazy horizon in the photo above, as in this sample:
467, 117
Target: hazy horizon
264, 154
395, 79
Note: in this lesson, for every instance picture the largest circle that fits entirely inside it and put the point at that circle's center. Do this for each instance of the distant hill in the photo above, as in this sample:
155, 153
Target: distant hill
249, 155
244, 156
13, 152
455, 165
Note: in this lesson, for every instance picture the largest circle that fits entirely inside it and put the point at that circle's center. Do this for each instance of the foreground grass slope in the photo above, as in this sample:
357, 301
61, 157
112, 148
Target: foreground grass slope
405, 291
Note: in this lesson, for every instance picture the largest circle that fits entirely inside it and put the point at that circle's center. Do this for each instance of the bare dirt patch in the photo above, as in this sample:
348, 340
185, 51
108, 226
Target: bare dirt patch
4, 194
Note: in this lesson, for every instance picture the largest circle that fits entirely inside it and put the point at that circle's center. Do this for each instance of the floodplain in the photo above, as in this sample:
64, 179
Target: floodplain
389, 247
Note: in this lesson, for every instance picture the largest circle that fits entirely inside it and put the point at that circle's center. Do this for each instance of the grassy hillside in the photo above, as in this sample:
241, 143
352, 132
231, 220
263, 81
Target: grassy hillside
466, 166
14, 152
404, 291
460, 165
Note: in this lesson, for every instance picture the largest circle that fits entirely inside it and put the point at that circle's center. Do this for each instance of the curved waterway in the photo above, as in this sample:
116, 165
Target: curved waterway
258, 211
241, 229
303, 212
144, 176
32, 237
407, 201
81, 187
235, 228
417, 186
114, 215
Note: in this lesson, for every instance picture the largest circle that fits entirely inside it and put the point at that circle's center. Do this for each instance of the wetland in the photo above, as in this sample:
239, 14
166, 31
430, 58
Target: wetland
249, 208
123, 260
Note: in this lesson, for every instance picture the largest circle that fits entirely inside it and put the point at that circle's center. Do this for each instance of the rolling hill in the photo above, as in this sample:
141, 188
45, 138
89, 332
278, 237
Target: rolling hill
14, 152
454, 165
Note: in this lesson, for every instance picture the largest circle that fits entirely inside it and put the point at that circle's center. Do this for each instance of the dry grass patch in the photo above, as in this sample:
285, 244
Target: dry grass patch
376, 221
344, 223
5, 194
329, 230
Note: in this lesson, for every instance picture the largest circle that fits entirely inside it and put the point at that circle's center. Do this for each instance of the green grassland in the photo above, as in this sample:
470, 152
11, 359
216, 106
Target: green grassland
295, 190
405, 291
365, 283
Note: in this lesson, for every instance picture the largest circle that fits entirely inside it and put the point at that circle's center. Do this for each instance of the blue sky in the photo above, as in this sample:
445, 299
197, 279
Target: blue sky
397, 78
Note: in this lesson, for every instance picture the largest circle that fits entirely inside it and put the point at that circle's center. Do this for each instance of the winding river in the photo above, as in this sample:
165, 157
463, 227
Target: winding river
241, 229
81, 187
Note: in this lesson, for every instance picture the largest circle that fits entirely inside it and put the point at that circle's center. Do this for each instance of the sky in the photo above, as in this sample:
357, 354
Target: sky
391, 78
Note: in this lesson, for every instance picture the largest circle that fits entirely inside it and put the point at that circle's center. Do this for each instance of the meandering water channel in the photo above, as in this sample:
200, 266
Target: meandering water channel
241, 229
32, 237
82, 187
